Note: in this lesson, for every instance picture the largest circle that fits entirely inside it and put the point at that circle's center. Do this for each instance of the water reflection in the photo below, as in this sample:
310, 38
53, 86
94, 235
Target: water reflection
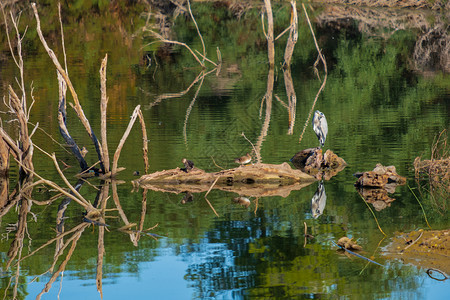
318, 201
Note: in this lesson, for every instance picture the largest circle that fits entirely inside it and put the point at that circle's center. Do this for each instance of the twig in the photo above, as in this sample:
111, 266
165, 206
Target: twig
198, 31
212, 207
123, 139
158, 99
445, 276
424, 214
144, 140
78, 227
376, 220
50, 137
282, 102
19, 62
87, 170
78, 198
209, 203
355, 254
62, 267
216, 164
373, 254
283, 32
253, 146
262, 25
122, 213
161, 39
205, 58
212, 185
62, 37
188, 111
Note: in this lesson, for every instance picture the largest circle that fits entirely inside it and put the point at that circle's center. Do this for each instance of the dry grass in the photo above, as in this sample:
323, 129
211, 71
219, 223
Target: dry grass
436, 172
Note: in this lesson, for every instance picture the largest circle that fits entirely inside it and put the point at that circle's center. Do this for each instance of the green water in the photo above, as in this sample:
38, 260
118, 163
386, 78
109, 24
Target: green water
380, 109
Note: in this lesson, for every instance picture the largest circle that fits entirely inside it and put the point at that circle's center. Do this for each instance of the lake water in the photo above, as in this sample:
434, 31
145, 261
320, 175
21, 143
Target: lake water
382, 105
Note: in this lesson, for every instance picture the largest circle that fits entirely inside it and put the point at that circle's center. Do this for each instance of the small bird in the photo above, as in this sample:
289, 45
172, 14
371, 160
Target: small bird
320, 126
243, 159
188, 165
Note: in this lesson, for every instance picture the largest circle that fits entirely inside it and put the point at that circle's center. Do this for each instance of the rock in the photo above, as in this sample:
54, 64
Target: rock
380, 177
314, 163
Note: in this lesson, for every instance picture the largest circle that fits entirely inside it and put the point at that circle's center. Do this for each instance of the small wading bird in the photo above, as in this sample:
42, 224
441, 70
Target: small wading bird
188, 165
243, 159
320, 126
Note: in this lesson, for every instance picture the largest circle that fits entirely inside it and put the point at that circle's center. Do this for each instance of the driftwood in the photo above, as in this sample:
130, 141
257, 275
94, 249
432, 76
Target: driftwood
256, 180
314, 163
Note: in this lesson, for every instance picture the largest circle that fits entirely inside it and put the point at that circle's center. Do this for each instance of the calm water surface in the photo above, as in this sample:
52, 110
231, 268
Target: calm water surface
379, 107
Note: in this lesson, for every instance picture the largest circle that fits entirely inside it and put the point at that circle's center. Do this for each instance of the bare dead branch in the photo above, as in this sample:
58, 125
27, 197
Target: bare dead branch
144, 140
269, 36
63, 73
123, 139
198, 31
103, 106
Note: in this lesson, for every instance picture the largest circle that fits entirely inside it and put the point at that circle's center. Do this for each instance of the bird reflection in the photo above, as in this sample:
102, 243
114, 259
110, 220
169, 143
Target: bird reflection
188, 197
245, 202
320, 126
318, 201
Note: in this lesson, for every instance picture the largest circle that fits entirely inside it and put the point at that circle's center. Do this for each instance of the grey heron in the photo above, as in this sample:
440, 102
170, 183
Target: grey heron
320, 126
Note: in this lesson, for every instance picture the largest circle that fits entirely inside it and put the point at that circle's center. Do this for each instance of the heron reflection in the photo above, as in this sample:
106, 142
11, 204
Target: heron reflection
318, 201
320, 126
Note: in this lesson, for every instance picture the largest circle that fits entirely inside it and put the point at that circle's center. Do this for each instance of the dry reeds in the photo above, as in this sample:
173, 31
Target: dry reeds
436, 171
